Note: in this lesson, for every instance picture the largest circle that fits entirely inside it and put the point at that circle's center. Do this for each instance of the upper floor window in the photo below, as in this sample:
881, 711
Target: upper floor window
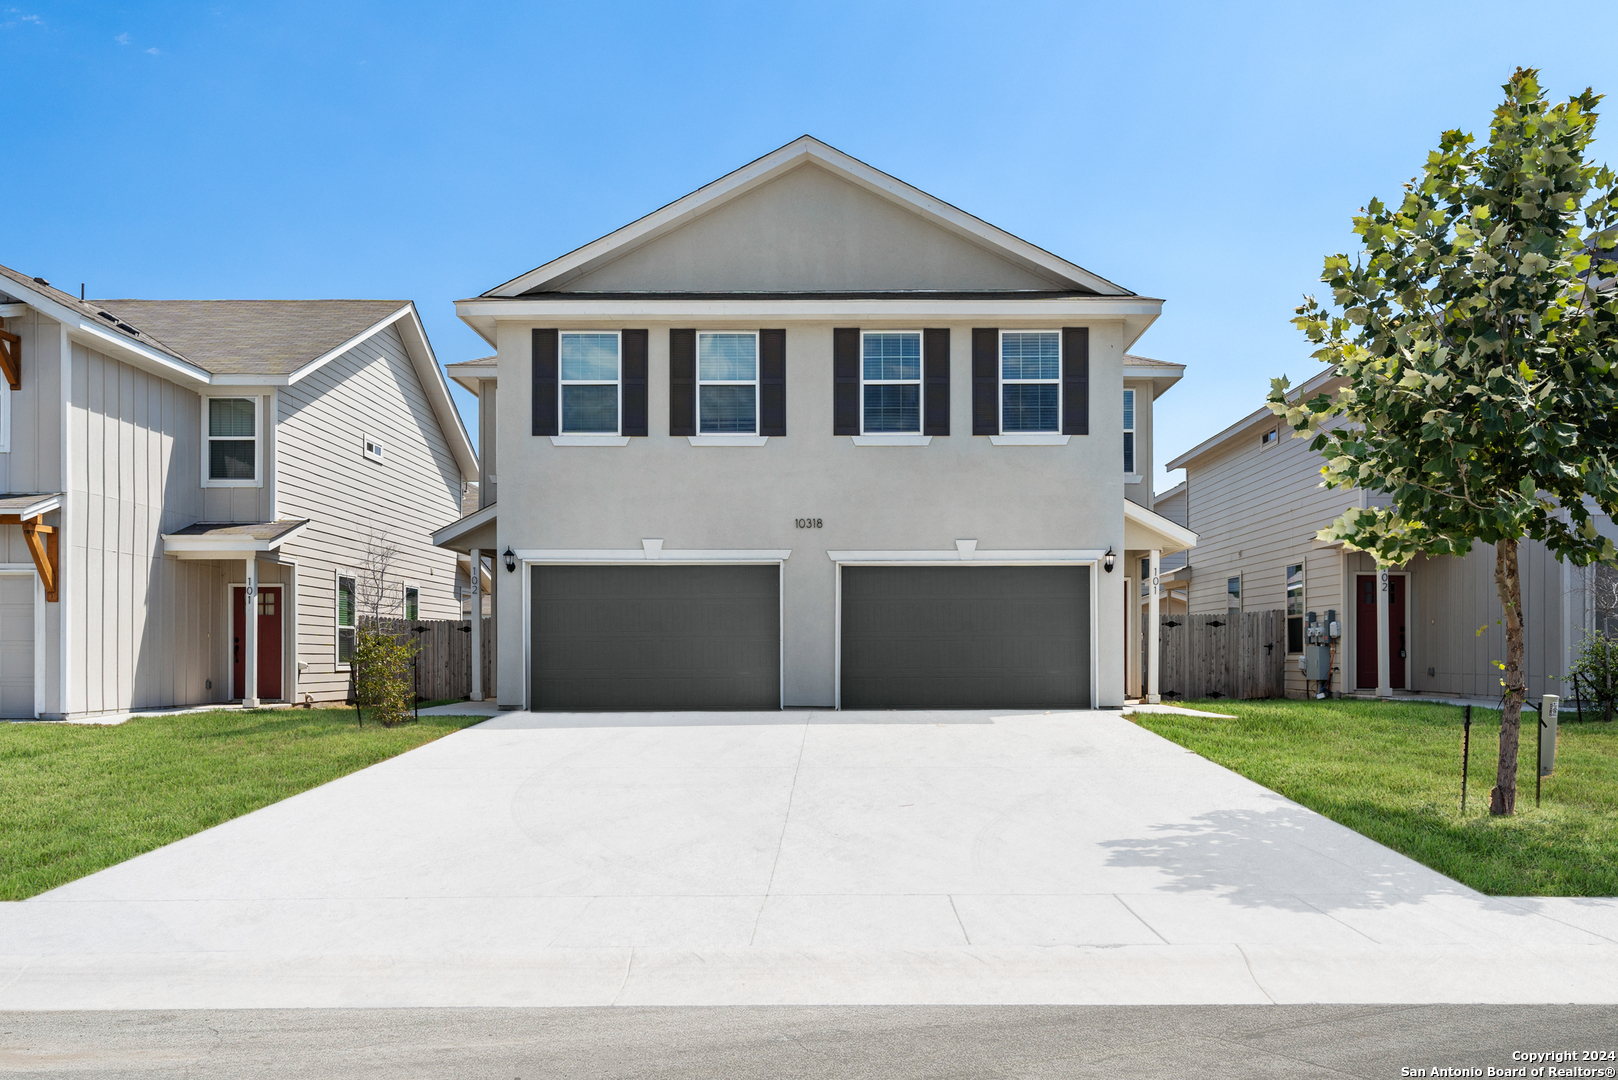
1030, 381
727, 377
1129, 431
589, 376
890, 376
1269, 438
232, 454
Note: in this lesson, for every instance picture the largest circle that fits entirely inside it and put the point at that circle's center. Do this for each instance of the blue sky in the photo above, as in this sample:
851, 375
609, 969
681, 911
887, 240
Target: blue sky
1209, 155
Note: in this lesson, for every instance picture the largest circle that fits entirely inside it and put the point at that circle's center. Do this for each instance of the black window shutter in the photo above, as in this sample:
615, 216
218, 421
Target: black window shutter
682, 382
1075, 380
845, 371
772, 382
935, 382
545, 404
985, 381
632, 382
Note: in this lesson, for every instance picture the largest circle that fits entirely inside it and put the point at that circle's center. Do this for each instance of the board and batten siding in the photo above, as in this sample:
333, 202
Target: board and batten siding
324, 475
145, 629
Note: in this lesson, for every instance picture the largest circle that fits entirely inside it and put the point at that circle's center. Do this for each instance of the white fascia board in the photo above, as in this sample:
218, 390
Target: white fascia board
1172, 535
461, 526
1303, 389
436, 387
973, 555
641, 554
80, 327
44, 505
582, 309
470, 373
327, 357
13, 311
174, 543
798, 152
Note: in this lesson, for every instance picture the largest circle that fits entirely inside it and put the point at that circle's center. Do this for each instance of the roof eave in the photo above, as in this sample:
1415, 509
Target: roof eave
1308, 386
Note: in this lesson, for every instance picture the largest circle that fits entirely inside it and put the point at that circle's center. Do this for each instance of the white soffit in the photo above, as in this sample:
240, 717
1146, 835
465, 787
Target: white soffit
1145, 530
798, 152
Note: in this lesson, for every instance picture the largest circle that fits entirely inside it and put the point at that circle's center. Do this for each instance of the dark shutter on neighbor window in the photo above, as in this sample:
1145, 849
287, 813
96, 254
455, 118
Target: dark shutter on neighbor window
545, 404
1075, 380
845, 373
935, 381
682, 382
985, 381
633, 381
772, 382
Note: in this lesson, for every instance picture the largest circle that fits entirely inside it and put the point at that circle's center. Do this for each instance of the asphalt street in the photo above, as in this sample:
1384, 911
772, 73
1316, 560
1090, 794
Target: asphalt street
845, 1043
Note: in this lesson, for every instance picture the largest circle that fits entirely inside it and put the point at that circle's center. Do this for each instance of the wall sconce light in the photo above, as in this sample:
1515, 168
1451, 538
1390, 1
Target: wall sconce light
511, 561
1107, 560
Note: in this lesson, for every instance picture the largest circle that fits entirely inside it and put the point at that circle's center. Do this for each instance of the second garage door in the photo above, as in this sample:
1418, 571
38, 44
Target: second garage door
965, 637
656, 637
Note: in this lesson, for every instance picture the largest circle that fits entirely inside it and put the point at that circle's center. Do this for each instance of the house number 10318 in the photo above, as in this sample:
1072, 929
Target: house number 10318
807, 523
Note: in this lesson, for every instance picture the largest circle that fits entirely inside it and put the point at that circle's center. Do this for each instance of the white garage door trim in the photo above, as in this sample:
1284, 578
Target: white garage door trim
966, 552
649, 551
19, 569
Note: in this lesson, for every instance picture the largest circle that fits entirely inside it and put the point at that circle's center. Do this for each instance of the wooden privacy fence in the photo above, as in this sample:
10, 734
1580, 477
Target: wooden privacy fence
444, 656
1236, 656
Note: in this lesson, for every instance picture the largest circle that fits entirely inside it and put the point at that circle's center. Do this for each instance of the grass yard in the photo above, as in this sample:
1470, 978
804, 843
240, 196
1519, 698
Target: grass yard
1392, 771
75, 799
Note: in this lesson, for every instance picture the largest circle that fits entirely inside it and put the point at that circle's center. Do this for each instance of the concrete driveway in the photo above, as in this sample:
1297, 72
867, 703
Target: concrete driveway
792, 857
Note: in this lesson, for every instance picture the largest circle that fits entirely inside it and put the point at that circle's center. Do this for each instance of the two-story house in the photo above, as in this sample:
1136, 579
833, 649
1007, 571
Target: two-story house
811, 437
171, 465
1253, 494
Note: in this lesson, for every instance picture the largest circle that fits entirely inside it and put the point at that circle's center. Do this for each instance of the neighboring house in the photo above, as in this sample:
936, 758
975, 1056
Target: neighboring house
1254, 497
810, 437
166, 462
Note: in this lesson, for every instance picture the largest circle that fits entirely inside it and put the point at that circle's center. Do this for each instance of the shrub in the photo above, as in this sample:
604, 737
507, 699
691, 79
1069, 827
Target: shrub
1596, 671
382, 675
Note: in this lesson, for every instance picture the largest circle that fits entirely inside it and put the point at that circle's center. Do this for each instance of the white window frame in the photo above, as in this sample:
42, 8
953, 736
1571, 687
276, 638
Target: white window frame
258, 441
1129, 429
1237, 578
1303, 602
919, 382
1000, 388
616, 383
338, 663
367, 442
1269, 437
404, 602
701, 382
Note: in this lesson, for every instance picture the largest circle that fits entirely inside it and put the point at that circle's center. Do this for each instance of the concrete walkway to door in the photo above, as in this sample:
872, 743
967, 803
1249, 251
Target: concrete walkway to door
792, 857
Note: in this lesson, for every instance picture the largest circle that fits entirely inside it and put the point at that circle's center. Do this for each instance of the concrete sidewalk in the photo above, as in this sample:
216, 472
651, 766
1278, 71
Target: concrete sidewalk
790, 858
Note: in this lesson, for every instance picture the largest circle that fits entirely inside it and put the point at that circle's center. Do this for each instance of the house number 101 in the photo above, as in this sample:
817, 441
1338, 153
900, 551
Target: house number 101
807, 523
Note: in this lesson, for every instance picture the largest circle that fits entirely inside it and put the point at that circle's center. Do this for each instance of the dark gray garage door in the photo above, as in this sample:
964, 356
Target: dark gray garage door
656, 637
966, 637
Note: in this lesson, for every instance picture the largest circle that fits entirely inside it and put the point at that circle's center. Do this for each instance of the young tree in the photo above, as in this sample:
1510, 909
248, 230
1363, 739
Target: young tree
381, 664
1475, 335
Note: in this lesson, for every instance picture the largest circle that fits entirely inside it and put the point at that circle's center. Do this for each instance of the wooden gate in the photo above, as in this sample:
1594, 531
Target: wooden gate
1240, 656
444, 656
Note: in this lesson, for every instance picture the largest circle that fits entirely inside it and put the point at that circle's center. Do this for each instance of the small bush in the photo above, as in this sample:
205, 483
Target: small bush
382, 675
1596, 671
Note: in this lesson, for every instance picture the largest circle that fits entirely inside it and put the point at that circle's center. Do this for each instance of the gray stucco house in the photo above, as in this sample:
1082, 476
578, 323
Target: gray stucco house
810, 437
166, 463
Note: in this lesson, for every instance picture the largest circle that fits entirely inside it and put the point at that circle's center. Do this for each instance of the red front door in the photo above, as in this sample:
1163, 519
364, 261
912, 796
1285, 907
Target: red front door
269, 642
1365, 631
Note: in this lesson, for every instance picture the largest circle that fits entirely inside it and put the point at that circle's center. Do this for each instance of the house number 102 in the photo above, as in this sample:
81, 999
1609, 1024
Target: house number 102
807, 523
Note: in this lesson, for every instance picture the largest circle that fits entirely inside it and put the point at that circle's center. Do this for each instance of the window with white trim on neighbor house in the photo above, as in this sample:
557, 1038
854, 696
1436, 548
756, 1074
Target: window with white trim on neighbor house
347, 609
232, 439
1129, 431
1030, 381
890, 374
727, 383
589, 377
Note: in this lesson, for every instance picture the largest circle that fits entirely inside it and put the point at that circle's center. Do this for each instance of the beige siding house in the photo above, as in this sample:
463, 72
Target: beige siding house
177, 462
1253, 495
812, 437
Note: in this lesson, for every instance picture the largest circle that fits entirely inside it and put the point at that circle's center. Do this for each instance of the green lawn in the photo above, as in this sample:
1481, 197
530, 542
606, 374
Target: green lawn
1393, 772
75, 798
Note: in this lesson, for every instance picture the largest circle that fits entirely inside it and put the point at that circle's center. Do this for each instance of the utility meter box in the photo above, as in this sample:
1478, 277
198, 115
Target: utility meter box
1317, 663
1548, 708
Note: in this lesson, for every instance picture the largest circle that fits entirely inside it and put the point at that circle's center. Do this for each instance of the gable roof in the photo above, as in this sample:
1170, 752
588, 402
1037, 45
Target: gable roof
215, 343
253, 337
553, 277
1253, 419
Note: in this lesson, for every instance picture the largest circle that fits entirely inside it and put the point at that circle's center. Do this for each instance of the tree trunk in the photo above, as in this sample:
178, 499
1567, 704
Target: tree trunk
1503, 799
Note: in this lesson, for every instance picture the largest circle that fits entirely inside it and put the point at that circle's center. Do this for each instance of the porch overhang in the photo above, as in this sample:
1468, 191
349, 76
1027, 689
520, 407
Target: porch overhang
29, 510
1146, 530
230, 540
475, 530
